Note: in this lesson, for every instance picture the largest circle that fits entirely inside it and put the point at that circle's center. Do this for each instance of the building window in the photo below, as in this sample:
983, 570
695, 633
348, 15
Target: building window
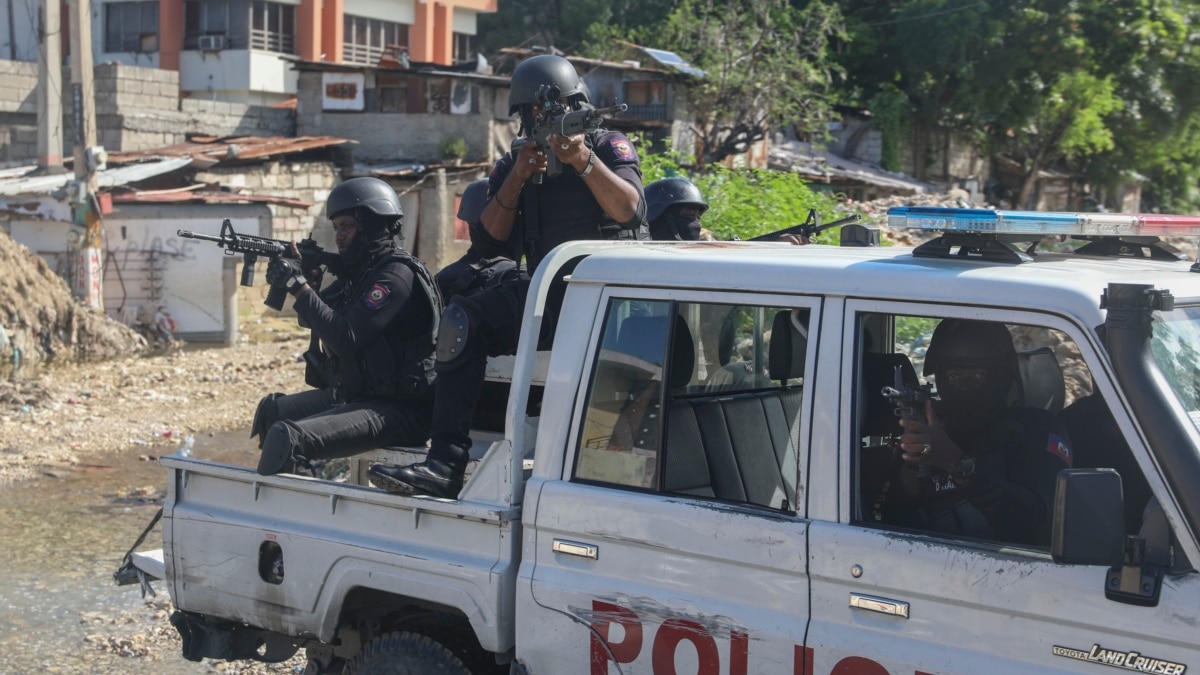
131, 27
224, 23
365, 40
273, 27
462, 48
391, 93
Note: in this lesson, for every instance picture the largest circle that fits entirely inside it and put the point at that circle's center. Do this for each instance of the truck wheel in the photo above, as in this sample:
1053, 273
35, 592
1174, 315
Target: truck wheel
405, 653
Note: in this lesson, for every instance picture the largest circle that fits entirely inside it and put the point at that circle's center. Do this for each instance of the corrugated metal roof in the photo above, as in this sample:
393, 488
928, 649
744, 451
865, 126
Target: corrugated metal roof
212, 150
821, 165
185, 195
20, 182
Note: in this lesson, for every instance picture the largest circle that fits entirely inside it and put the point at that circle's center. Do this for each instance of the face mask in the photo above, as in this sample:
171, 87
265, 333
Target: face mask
687, 228
970, 402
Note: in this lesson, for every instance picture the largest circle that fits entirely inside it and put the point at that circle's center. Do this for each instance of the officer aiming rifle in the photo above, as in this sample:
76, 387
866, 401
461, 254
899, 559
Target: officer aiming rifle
555, 118
308, 252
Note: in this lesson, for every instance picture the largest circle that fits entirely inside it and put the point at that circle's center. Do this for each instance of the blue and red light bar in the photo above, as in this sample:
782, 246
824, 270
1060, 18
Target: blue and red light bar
997, 221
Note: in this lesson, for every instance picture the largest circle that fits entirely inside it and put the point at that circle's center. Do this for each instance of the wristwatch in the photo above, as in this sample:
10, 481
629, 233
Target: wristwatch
591, 163
965, 468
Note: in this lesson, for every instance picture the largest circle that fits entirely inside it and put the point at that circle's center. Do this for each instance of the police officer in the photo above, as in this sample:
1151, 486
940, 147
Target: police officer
975, 465
597, 195
376, 326
487, 261
674, 207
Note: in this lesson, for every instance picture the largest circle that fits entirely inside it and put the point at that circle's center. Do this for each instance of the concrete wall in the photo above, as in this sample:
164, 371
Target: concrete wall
137, 108
386, 137
18, 111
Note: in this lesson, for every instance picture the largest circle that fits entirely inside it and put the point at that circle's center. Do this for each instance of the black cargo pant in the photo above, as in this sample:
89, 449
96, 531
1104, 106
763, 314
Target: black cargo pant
485, 323
311, 425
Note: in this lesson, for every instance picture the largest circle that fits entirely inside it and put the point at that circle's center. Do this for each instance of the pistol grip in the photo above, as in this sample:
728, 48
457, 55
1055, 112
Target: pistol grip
248, 269
553, 165
275, 297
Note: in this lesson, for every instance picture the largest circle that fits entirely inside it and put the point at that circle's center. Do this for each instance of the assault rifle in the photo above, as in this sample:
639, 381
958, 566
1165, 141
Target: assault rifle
808, 228
556, 119
311, 255
909, 401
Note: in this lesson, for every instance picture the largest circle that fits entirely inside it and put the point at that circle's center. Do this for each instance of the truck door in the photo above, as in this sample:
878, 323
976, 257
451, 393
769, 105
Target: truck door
674, 540
939, 579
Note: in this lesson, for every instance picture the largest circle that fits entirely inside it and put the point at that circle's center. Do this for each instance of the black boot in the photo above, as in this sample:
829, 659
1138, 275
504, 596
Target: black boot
430, 477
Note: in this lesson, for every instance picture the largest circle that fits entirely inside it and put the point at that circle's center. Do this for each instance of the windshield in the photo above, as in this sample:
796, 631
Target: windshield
1176, 340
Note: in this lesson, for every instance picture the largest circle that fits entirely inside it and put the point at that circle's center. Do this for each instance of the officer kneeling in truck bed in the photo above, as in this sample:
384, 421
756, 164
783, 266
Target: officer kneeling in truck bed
974, 465
376, 325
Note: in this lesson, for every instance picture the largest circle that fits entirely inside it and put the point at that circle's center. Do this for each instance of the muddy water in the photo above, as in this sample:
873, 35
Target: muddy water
61, 538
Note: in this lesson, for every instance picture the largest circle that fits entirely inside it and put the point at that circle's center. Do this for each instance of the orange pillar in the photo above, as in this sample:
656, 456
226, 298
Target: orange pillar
170, 33
421, 34
443, 34
332, 35
308, 30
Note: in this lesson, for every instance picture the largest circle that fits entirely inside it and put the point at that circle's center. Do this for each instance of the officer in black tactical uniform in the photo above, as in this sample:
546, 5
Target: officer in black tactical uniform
674, 207
975, 465
376, 325
598, 195
487, 261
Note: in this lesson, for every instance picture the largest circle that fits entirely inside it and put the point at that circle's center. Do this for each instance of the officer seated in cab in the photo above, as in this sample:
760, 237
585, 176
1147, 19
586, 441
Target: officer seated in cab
974, 464
373, 349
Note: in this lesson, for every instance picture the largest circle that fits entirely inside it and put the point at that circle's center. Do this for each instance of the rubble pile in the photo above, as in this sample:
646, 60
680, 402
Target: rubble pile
41, 322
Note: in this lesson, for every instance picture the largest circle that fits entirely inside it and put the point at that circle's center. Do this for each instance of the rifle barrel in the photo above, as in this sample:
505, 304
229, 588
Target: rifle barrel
188, 234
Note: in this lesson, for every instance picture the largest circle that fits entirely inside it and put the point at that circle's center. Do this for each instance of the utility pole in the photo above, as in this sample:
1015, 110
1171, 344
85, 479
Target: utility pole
87, 231
50, 71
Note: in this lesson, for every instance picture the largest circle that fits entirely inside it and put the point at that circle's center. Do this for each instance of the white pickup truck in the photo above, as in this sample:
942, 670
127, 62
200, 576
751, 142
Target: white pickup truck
693, 479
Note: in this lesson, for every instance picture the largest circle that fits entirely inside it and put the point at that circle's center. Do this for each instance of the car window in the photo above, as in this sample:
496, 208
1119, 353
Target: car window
1015, 407
697, 399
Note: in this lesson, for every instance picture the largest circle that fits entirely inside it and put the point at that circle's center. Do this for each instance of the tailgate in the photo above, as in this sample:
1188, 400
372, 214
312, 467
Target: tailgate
282, 552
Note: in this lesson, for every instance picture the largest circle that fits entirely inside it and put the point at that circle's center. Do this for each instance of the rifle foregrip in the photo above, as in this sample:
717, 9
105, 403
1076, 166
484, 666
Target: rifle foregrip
275, 297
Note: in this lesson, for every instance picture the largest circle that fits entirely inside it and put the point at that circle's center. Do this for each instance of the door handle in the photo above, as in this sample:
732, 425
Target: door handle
873, 603
576, 548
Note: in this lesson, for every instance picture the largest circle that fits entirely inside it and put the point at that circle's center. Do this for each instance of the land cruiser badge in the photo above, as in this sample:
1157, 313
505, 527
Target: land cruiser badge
1130, 660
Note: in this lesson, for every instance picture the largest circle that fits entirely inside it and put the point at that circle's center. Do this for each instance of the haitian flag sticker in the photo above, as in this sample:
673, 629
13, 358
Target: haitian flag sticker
376, 296
1059, 448
623, 148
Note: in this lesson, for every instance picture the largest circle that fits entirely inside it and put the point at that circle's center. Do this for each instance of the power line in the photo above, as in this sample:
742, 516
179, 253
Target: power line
929, 15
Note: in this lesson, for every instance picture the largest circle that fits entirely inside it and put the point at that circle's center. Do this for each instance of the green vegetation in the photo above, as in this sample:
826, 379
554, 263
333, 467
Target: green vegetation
746, 203
452, 147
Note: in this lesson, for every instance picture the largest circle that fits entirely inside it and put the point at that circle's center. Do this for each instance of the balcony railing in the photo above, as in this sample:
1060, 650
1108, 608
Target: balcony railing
272, 41
366, 55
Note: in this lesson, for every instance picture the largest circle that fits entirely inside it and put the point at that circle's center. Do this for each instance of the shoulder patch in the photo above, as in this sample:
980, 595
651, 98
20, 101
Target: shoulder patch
376, 296
1058, 447
623, 149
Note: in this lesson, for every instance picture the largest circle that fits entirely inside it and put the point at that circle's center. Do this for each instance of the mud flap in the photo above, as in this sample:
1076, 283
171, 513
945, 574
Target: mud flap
215, 639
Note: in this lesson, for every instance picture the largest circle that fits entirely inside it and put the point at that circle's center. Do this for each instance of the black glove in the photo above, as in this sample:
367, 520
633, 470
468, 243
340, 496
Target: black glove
286, 273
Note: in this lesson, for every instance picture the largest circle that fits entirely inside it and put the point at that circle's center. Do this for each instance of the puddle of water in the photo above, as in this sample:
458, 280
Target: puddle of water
62, 540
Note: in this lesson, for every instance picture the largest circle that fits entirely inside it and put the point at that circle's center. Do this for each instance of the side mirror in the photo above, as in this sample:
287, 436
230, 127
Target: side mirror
1089, 518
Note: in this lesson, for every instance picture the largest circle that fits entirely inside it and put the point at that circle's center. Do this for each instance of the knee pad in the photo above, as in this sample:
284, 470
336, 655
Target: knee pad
264, 416
277, 450
453, 333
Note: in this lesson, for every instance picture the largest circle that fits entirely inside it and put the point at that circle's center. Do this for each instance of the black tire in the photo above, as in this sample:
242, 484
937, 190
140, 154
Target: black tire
405, 653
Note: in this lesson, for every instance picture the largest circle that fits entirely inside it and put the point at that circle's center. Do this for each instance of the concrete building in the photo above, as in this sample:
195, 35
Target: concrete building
241, 51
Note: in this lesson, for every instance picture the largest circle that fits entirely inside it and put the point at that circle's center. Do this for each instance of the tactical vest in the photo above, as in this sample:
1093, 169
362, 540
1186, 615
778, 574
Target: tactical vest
391, 366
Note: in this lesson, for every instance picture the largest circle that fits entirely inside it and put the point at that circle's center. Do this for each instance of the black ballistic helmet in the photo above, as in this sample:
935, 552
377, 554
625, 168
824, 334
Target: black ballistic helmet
961, 343
474, 198
671, 191
545, 70
370, 194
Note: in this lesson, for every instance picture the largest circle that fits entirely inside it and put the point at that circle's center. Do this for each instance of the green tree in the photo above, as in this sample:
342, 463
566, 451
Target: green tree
767, 64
